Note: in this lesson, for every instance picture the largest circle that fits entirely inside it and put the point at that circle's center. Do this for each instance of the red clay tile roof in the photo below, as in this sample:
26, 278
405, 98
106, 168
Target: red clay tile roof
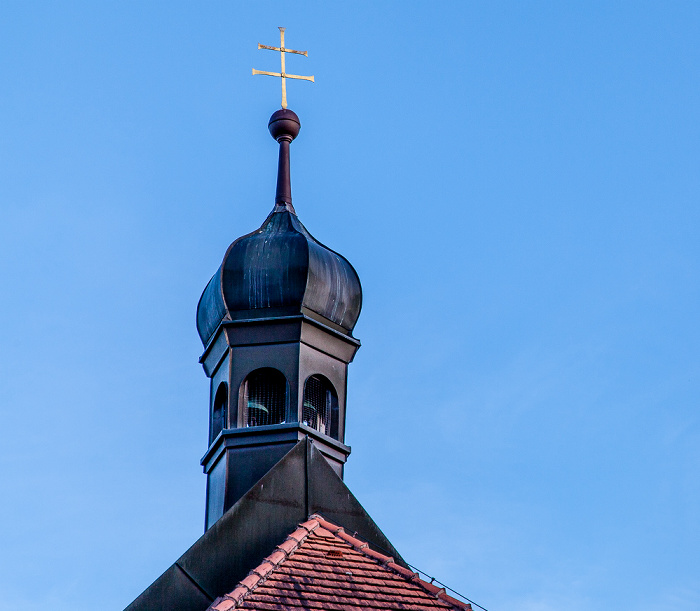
320, 566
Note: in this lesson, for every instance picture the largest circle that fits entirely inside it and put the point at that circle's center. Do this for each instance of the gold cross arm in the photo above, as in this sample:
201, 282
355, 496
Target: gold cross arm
282, 73
283, 50
285, 75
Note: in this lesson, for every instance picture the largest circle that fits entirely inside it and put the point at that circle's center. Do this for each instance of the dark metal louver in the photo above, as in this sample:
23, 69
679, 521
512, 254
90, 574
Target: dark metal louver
219, 419
266, 398
320, 407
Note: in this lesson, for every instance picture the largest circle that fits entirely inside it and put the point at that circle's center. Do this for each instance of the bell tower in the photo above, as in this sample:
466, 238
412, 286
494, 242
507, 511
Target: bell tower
276, 321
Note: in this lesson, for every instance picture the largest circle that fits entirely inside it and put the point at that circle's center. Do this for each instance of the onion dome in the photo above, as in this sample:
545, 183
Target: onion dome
281, 269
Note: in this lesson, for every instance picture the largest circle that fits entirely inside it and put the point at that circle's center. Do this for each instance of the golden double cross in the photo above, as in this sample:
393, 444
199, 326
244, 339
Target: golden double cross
283, 74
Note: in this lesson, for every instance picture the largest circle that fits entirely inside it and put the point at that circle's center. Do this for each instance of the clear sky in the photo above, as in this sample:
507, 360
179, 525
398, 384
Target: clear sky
517, 185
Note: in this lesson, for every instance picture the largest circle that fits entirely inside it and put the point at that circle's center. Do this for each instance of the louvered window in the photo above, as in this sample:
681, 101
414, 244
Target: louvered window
219, 416
320, 408
265, 398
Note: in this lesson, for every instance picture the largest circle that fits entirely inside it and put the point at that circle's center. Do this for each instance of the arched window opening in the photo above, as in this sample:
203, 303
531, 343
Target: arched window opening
265, 400
320, 408
219, 417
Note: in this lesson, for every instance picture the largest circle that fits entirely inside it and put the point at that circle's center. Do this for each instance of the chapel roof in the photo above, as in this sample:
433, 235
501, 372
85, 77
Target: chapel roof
320, 566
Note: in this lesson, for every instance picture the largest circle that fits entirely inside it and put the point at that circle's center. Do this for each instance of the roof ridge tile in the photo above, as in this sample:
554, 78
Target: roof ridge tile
258, 575
389, 562
334, 528
359, 544
452, 600
299, 535
264, 569
223, 603
238, 594
310, 525
251, 580
404, 572
383, 558
276, 557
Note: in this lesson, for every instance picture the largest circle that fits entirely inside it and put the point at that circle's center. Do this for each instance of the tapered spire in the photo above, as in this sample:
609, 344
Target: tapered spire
284, 126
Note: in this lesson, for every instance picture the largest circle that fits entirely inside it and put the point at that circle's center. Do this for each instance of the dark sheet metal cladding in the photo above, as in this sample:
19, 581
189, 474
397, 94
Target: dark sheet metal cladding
280, 269
300, 484
333, 289
277, 270
210, 309
267, 269
284, 126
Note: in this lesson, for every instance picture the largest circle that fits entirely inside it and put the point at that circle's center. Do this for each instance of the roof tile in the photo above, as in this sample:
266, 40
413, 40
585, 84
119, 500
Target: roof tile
321, 567
334, 528
407, 573
351, 540
238, 593
377, 556
309, 525
450, 599
299, 535
221, 604
288, 546
276, 557
324, 532
264, 569
251, 581
432, 588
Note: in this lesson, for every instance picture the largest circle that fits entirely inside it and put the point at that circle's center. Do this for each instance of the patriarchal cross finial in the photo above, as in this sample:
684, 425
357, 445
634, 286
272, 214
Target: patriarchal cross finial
283, 74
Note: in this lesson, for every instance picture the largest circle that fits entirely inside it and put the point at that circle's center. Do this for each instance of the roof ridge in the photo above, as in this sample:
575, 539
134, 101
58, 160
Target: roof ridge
260, 573
388, 562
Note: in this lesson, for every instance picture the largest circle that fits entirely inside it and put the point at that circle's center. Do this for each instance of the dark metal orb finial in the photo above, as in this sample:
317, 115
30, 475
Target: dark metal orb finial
284, 125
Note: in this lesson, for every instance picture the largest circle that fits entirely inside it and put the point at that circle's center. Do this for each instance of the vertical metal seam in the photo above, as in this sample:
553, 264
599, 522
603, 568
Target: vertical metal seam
306, 479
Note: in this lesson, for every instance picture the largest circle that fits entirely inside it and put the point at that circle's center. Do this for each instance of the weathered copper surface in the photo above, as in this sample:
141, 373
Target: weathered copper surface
281, 269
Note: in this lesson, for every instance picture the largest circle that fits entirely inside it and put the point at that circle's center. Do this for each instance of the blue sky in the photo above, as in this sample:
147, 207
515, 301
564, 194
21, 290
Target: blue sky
517, 185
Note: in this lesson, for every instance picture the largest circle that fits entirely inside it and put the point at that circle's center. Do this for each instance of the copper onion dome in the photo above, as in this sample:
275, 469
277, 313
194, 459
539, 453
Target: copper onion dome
281, 269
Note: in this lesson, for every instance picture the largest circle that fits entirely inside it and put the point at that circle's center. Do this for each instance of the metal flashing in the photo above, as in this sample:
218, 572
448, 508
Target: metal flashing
272, 434
300, 484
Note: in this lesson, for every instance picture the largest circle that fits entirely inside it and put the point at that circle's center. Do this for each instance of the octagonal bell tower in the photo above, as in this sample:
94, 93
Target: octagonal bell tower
276, 321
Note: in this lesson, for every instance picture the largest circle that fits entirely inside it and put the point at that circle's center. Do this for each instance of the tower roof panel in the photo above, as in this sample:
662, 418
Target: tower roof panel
281, 269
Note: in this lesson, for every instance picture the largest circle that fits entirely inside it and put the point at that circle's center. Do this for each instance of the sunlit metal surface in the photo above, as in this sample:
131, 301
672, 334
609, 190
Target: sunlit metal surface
283, 73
